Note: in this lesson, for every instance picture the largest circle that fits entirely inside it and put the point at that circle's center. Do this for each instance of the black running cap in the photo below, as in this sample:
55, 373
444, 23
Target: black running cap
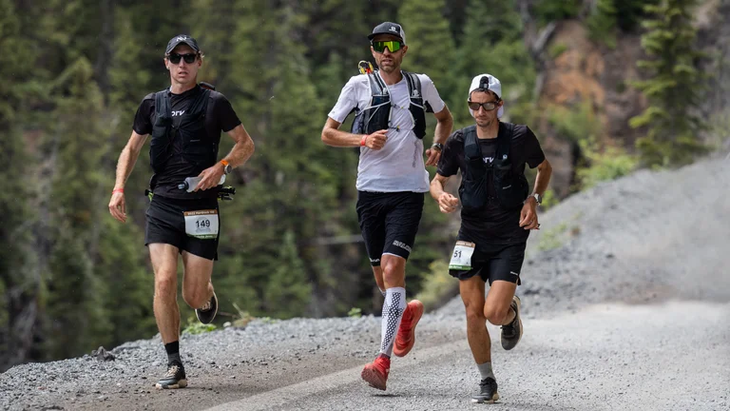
181, 39
394, 29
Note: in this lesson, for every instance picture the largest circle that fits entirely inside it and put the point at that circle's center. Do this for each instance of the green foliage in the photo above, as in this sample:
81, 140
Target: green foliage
492, 43
575, 123
355, 312
673, 86
557, 49
552, 10
430, 44
552, 238
602, 23
549, 200
195, 327
609, 164
438, 285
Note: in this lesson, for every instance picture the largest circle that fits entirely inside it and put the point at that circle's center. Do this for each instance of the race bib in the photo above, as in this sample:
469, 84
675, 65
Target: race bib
201, 224
461, 258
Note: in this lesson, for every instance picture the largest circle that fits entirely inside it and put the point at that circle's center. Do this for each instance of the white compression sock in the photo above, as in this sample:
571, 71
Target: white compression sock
393, 308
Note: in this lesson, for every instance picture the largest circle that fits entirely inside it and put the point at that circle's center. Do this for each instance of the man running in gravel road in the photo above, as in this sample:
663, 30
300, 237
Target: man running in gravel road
389, 128
185, 121
496, 217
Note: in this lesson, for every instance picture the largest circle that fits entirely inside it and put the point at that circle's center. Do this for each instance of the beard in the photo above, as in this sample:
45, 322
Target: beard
485, 122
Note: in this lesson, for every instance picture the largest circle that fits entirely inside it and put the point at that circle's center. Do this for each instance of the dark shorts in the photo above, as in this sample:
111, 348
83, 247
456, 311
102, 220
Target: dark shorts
389, 222
495, 263
166, 224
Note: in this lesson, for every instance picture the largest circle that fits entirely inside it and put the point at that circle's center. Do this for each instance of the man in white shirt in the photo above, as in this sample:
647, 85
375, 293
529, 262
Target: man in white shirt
391, 179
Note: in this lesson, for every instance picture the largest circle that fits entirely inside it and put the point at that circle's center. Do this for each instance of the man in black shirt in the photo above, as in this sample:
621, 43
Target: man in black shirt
496, 217
185, 122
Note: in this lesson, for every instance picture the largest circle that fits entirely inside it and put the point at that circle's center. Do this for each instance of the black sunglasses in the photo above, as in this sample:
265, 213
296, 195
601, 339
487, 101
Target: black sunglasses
189, 58
488, 106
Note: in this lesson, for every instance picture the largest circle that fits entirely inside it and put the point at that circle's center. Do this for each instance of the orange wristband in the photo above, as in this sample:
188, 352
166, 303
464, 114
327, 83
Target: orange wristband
118, 190
224, 162
363, 140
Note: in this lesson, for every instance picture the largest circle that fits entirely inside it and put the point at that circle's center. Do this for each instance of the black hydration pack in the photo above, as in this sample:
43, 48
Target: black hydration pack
511, 186
198, 148
378, 113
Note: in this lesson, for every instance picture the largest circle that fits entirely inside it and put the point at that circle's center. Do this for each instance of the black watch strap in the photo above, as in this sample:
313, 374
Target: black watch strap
438, 146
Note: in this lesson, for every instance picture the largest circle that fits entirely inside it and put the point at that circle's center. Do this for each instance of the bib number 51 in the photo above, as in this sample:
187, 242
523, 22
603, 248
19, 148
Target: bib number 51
461, 257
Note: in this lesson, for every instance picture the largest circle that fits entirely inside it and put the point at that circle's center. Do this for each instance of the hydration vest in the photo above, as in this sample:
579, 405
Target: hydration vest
378, 113
510, 186
198, 148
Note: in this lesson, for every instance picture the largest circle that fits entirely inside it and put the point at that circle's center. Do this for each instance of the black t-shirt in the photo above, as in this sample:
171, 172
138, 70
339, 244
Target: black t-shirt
219, 116
492, 225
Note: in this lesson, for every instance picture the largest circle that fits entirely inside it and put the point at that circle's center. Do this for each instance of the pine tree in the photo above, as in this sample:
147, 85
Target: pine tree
430, 44
494, 46
672, 87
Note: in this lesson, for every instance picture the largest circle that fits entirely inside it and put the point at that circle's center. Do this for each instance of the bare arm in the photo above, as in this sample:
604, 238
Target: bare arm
542, 179
528, 216
447, 202
242, 150
442, 132
125, 165
128, 158
333, 136
239, 154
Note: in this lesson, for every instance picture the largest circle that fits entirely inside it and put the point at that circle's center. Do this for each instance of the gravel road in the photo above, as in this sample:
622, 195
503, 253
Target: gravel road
626, 297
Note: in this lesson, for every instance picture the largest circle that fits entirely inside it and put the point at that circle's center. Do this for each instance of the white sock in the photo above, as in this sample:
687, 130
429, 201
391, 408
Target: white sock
393, 307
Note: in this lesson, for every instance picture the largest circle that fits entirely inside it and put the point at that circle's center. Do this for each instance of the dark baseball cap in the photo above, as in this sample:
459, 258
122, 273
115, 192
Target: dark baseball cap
182, 39
394, 29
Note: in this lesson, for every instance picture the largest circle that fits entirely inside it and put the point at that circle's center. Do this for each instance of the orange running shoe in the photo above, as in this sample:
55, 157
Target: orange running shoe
376, 373
406, 337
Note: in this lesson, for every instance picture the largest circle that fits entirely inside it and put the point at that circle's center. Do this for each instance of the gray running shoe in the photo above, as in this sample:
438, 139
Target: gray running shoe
173, 378
487, 392
207, 313
512, 332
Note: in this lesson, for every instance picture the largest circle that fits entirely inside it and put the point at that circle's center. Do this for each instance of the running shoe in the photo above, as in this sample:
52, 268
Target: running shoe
512, 332
376, 373
487, 392
406, 337
207, 313
174, 378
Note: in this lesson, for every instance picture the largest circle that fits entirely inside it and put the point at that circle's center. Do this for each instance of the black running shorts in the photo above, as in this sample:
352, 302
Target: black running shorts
166, 224
495, 263
389, 222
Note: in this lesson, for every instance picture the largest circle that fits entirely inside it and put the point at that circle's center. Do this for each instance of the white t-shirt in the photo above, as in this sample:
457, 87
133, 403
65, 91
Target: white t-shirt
398, 166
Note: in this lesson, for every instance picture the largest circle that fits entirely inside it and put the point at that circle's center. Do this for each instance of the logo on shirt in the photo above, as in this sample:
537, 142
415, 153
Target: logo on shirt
176, 113
488, 160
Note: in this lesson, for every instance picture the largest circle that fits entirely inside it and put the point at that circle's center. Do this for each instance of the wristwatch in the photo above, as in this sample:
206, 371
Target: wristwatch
226, 167
438, 146
538, 198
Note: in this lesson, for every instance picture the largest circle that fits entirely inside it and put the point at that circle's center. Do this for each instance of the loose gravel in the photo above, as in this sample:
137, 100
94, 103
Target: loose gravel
644, 239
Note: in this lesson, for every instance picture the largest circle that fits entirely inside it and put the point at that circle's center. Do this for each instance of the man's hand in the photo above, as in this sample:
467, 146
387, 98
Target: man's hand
433, 155
447, 203
528, 215
210, 177
377, 140
117, 206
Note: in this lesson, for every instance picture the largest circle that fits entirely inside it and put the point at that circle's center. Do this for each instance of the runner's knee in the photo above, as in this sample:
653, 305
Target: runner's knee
195, 297
166, 286
392, 272
496, 314
474, 314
